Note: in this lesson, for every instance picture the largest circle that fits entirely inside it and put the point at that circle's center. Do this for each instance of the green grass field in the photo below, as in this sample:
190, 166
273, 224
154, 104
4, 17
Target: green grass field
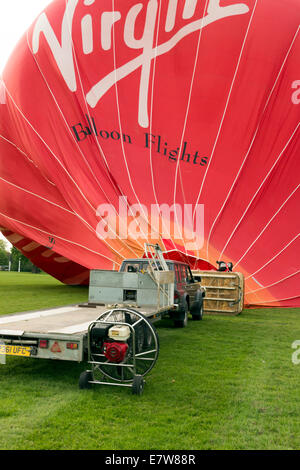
223, 383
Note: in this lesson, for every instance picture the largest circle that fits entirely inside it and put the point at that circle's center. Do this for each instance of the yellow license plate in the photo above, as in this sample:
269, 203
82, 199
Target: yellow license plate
12, 350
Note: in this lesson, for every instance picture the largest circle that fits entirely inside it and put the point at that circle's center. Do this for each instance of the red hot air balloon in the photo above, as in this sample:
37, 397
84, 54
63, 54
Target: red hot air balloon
171, 121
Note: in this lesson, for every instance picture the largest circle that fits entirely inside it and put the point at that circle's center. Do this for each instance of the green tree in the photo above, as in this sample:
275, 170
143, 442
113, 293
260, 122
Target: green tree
26, 264
4, 255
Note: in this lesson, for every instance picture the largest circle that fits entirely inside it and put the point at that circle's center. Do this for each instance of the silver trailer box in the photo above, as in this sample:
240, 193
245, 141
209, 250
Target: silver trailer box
140, 289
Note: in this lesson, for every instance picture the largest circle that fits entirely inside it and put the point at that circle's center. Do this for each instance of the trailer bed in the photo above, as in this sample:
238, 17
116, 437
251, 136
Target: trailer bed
66, 320
21, 334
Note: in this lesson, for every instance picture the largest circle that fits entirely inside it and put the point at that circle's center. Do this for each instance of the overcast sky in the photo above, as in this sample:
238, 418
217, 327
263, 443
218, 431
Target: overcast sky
15, 18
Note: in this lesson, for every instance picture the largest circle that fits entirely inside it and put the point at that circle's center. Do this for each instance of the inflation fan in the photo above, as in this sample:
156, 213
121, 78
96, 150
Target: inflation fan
123, 347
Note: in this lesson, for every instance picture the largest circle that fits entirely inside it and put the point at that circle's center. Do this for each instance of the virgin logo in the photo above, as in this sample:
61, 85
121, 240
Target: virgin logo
147, 50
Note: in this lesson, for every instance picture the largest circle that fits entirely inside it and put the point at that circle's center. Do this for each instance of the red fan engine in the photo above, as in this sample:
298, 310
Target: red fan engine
115, 352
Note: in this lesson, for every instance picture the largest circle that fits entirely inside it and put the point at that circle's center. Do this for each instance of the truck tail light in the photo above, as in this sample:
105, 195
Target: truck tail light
72, 345
43, 343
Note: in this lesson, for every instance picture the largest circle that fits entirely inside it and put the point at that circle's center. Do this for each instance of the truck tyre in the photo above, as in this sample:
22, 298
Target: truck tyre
182, 323
199, 315
84, 379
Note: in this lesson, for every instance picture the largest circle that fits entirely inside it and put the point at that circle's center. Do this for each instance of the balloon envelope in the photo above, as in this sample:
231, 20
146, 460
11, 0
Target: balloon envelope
174, 122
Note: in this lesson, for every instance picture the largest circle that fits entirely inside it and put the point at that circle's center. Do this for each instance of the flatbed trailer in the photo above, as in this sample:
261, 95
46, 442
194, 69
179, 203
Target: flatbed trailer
59, 333
82, 334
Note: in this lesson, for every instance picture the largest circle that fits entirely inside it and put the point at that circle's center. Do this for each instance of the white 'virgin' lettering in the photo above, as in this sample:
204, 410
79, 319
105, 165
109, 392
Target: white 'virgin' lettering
63, 51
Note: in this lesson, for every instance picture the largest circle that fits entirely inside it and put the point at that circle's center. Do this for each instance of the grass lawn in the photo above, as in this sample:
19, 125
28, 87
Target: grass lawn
20, 292
223, 383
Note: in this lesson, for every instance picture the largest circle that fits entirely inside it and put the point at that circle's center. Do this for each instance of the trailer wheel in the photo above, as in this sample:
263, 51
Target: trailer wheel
84, 379
138, 385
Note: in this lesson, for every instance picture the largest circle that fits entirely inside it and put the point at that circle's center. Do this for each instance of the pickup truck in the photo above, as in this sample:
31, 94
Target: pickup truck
188, 293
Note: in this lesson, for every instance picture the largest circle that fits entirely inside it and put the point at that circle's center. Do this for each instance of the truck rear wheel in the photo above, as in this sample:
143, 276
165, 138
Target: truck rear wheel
199, 315
182, 323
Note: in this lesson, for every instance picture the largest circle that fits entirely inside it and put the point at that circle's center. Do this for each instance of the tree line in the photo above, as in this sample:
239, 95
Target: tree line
14, 256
